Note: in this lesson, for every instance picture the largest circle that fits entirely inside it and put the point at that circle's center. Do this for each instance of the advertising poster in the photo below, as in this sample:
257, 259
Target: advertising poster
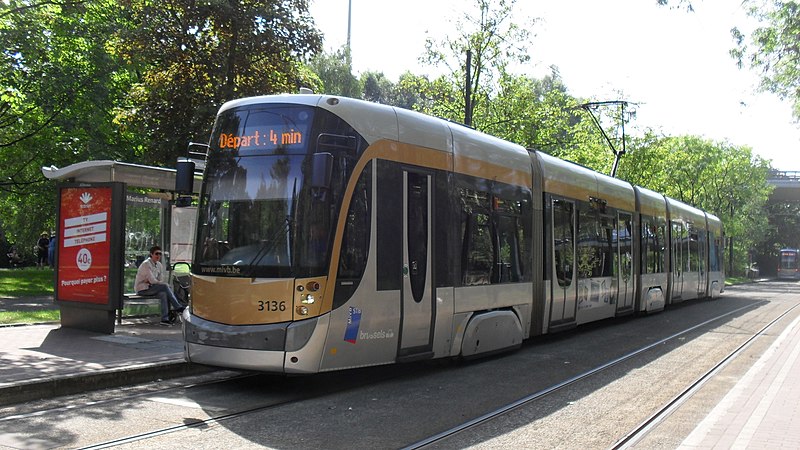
84, 244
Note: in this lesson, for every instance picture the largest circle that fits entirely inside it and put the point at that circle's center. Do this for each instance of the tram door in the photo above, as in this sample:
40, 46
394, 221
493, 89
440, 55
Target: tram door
625, 252
679, 259
702, 279
417, 309
564, 305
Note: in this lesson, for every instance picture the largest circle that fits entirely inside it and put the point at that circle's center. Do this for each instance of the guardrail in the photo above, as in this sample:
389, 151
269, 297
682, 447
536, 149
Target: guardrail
783, 175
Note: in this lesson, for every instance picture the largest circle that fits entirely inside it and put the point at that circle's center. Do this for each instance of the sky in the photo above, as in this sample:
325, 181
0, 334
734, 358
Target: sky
672, 63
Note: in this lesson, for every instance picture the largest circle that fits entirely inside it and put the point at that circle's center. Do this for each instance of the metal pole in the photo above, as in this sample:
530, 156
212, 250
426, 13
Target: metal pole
618, 155
349, 22
468, 92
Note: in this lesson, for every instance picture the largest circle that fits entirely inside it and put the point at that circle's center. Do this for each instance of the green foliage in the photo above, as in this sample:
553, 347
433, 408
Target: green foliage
193, 56
772, 48
336, 73
16, 283
725, 180
495, 42
19, 317
59, 84
130, 80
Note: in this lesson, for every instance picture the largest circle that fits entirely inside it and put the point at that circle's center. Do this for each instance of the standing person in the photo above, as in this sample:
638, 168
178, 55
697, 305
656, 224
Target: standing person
41, 250
51, 250
151, 280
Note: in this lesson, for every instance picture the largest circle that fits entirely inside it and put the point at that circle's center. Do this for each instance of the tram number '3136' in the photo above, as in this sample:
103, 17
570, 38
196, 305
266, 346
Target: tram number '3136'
271, 305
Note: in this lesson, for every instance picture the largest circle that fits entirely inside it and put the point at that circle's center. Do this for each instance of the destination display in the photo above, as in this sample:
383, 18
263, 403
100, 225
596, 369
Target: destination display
261, 138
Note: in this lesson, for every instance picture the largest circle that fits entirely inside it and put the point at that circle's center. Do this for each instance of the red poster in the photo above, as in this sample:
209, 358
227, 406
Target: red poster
84, 244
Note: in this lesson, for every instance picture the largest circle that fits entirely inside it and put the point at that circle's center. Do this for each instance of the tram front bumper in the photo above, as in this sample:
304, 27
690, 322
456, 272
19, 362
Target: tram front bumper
248, 347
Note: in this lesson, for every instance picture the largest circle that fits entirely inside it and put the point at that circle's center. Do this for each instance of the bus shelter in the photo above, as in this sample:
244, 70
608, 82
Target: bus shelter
109, 215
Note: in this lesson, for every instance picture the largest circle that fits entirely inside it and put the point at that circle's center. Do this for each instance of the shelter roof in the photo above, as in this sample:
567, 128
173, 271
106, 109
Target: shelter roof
134, 175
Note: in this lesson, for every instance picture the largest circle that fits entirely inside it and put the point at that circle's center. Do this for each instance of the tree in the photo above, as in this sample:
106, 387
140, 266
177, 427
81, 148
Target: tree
723, 179
335, 71
194, 56
59, 87
494, 41
772, 48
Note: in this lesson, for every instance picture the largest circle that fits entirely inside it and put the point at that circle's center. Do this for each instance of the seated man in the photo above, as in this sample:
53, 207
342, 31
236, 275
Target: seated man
151, 280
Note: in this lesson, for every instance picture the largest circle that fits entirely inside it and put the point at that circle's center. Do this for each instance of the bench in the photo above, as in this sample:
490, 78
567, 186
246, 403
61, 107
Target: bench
136, 299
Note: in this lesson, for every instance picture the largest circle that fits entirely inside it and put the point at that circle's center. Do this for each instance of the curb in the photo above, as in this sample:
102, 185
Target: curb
57, 386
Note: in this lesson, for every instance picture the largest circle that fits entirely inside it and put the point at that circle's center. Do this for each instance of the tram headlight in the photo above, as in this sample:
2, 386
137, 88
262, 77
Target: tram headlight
302, 310
308, 300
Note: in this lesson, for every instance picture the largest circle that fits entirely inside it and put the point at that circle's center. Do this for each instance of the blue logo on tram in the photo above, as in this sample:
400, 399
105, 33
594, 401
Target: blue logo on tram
353, 322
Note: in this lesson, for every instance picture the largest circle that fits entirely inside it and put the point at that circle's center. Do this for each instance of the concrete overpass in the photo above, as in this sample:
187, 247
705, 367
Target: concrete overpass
787, 186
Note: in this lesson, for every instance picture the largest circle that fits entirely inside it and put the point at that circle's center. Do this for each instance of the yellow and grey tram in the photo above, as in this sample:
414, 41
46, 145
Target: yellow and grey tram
335, 233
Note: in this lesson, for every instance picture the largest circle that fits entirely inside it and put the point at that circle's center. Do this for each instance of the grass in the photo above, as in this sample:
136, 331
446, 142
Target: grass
15, 317
26, 282
54, 315
32, 282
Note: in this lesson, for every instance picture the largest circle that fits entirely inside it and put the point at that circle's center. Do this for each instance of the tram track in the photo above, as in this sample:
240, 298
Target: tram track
122, 397
473, 423
386, 375
336, 384
267, 405
659, 416
648, 423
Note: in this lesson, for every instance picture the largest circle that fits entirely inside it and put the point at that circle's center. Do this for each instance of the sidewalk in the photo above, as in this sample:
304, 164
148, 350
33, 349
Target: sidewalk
41, 361
38, 303
763, 410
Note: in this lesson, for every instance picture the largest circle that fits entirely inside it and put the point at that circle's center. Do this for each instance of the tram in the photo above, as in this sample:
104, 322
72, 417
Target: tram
335, 233
789, 266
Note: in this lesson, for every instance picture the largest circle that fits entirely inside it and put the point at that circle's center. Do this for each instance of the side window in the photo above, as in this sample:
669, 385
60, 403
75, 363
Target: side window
509, 267
496, 239
563, 241
653, 245
594, 244
625, 246
713, 251
660, 246
478, 250
355, 241
678, 265
647, 237
418, 232
587, 255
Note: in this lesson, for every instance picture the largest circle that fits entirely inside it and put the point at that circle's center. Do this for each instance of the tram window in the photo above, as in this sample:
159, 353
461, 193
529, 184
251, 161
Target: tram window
594, 245
680, 248
563, 241
508, 267
625, 247
418, 232
646, 237
478, 250
712, 253
660, 246
652, 245
389, 192
496, 240
694, 251
355, 241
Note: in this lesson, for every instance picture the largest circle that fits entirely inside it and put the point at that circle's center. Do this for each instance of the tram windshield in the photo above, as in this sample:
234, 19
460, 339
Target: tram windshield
259, 215
789, 260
